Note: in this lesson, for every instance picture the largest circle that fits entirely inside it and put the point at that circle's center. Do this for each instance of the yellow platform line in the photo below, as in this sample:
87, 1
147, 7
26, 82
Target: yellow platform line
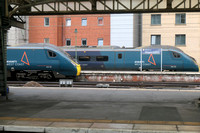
102, 121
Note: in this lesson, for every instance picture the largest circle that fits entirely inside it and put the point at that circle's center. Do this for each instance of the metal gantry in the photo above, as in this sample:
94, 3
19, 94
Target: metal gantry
54, 7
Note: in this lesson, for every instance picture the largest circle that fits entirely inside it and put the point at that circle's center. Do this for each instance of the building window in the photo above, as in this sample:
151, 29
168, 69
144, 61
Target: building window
180, 18
46, 21
68, 42
84, 21
100, 42
84, 42
155, 39
46, 40
100, 20
68, 22
180, 40
155, 19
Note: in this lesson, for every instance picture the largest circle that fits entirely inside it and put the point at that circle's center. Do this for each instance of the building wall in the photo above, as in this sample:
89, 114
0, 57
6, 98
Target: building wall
58, 32
168, 29
121, 30
37, 30
18, 36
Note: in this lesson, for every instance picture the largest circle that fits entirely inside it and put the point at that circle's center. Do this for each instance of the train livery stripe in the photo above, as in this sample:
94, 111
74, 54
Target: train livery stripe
102, 121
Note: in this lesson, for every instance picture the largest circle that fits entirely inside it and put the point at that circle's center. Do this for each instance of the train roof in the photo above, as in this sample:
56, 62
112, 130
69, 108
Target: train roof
35, 46
161, 47
108, 48
91, 47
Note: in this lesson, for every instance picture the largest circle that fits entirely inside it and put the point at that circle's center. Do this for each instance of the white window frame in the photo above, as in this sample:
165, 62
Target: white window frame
84, 22
100, 18
177, 42
46, 40
68, 22
84, 39
45, 19
155, 19
68, 39
154, 40
100, 41
179, 18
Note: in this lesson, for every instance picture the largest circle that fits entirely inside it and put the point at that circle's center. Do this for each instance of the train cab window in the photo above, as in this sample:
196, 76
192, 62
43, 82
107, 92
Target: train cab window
176, 55
84, 58
51, 54
102, 58
119, 56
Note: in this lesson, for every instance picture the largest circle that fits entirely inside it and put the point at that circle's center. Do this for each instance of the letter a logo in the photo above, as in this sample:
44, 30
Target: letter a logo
152, 62
24, 59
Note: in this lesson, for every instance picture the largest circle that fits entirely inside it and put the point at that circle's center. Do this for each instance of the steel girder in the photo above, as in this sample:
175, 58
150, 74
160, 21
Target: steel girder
56, 7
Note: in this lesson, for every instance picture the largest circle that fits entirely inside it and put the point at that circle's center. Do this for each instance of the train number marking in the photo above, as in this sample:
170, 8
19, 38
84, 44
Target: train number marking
151, 61
26, 60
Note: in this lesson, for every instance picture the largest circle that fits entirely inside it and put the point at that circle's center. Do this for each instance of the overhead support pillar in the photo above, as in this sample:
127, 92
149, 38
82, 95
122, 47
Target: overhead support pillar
94, 5
169, 4
4, 26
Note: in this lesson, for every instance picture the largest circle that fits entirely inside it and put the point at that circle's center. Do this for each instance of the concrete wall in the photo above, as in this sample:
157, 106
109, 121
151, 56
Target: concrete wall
18, 36
168, 29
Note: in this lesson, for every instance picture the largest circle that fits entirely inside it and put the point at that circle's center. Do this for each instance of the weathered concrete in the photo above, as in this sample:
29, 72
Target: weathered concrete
99, 110
112, 126
128, 76
12, 128
71, 124
188, 128
102, 128
31, 123
1, 128
151, 127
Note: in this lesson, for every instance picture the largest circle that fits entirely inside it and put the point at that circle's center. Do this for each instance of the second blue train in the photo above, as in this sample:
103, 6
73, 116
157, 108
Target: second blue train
156, 58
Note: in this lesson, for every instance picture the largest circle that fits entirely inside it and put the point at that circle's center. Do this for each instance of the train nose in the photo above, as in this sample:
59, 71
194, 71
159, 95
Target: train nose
196, 67
78, 67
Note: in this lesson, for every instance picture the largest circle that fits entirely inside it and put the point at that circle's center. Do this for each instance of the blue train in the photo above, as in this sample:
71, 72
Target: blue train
40, 61
156, 58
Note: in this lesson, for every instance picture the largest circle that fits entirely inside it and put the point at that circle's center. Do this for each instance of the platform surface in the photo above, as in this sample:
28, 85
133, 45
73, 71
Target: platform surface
100, 110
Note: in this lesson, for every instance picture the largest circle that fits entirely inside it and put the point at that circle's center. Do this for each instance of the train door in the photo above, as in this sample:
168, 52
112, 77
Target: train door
119, 60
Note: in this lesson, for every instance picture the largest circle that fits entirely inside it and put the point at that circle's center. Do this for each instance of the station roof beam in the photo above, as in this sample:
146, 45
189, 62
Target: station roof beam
59, 7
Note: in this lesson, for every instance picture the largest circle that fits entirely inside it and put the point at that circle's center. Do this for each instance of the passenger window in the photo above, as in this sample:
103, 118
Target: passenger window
176, 55
102, 58
51, 54
119, 56
84, 58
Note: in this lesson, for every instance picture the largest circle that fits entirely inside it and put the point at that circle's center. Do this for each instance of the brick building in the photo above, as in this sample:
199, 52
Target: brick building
92, 30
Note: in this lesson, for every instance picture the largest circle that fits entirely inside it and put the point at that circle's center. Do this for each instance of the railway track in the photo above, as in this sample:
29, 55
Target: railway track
112, 84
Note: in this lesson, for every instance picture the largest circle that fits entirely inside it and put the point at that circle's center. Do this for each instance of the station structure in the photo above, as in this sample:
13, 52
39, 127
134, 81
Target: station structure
10, 10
